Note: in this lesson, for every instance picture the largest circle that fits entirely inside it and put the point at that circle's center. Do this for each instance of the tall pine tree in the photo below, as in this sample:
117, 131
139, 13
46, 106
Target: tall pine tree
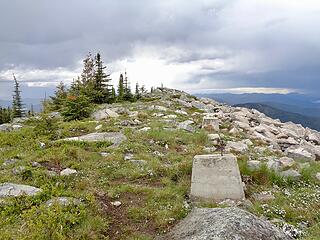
120, 88
137, 93
17, 106
102, 88
60, 96
127, 95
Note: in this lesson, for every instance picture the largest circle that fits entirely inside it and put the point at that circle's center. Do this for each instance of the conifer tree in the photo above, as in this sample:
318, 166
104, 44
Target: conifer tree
60, 96
88, 72
137, 93
102, 88
127, 95
120, 88
113, 95
17, 106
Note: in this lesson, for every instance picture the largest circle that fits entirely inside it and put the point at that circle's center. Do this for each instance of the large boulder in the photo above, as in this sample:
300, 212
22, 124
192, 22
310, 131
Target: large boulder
15, 190
237, 146
224, 224
300, 153
104, 113
115, 137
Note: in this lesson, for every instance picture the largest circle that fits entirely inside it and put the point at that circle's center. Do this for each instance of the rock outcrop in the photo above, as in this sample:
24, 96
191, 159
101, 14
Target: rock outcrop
223, 224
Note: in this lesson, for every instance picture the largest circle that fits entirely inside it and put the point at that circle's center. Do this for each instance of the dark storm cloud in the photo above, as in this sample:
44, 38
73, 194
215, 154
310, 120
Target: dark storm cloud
235, 43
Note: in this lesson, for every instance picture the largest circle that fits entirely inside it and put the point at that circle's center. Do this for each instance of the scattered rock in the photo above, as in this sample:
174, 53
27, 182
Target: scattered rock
290, 174
263, 196
300, 153
254, 164
35, 164
145, 129
68, 172
116, 203
181, 112
15, 190
104, 113
186, 126
98, 127
286, 162
237, 146
18, 170
9, 162
223, 224
104, 154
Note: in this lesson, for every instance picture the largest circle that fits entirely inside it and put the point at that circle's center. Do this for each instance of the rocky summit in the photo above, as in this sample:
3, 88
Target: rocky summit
168, 166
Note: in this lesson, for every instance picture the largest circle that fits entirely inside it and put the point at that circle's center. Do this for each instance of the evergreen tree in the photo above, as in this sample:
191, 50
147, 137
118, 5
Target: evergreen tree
76, 108
137, 93
120, 88
127, 95
101, 89
5, 115
75, 88
17, 106
88, 72
60, 96
113, 95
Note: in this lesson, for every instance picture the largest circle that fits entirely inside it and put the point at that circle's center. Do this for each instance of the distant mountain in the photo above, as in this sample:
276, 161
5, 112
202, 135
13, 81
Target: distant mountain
284, 116
36, 102
295, 103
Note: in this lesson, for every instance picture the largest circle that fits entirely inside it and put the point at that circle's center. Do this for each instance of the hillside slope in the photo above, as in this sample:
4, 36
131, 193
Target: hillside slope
284, 116
125, 172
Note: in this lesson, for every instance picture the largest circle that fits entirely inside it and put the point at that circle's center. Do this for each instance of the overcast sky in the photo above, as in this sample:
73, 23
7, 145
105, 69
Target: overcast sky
197, 45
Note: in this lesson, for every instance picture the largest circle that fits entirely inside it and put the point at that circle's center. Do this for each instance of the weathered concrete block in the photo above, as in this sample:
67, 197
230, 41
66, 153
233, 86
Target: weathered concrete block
210, 122
216, 177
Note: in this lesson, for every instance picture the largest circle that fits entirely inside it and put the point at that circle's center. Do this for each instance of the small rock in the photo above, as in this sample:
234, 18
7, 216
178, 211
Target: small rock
42, 145
98, 127
213, 137
18, 170
35, 164
104, 154
128, 156
116, 203
9, 162
181, 112
254, 164
209, 149
237, 146
290, 174
51, 173
186, 126
286, 162
68, 172
145, 129
318, 176
263, 196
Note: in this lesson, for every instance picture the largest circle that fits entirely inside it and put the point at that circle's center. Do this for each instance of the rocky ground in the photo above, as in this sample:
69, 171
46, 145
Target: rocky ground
125, 173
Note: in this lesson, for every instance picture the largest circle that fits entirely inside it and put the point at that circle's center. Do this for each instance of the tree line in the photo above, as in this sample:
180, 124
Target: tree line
93, 86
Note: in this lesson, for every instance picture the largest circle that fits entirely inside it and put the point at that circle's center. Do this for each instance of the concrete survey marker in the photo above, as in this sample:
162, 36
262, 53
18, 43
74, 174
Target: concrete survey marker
216, 177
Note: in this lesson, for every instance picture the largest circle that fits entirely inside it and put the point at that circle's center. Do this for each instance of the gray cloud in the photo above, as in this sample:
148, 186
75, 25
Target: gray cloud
220, 44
